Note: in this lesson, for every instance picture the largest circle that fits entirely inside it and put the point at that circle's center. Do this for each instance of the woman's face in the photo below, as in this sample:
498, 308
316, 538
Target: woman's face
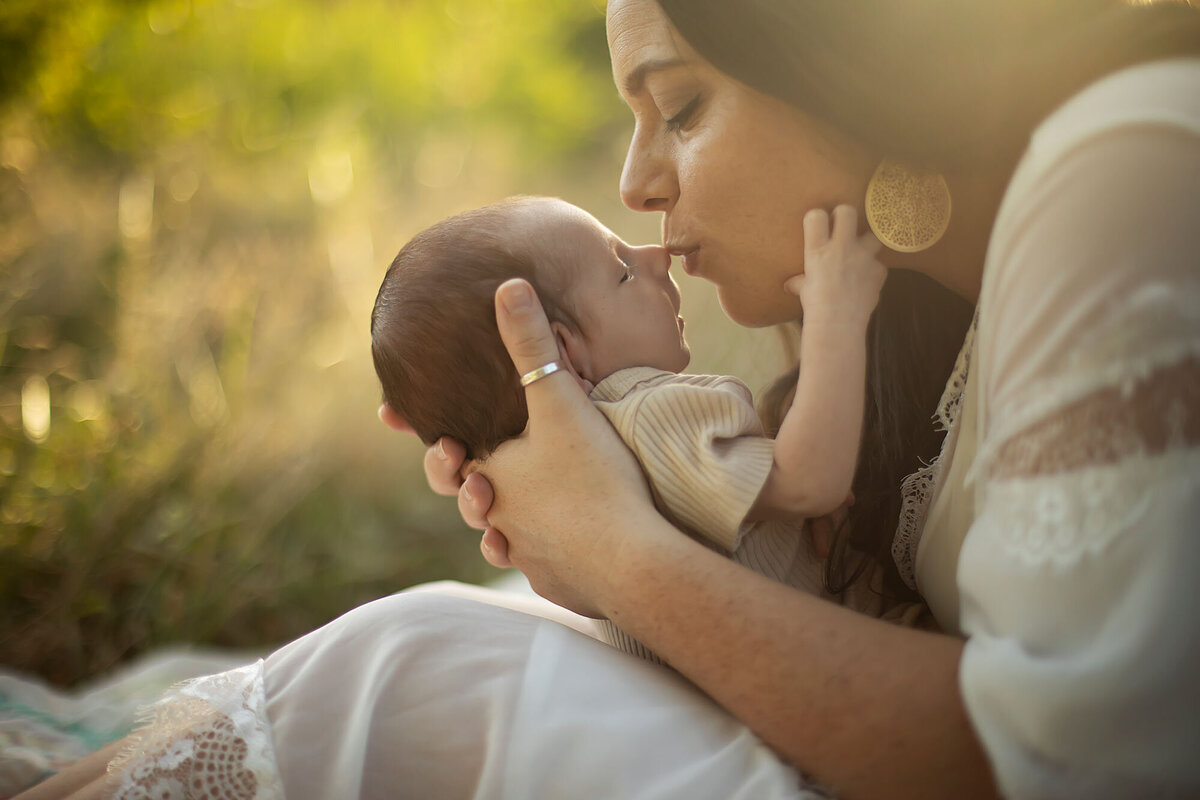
732, 170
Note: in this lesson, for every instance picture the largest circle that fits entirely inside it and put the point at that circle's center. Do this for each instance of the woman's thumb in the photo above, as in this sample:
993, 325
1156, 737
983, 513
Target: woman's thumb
530, 342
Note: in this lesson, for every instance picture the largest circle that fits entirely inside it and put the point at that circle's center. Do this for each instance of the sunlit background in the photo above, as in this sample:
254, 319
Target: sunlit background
198, 199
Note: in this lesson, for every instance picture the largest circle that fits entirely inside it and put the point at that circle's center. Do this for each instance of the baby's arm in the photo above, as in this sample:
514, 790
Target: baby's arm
817, 445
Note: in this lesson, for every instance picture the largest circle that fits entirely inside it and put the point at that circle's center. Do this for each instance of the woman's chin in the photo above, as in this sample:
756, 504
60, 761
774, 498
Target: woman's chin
758, 311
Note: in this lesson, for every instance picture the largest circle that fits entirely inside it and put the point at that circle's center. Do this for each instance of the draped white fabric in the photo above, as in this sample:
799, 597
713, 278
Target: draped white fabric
439, 693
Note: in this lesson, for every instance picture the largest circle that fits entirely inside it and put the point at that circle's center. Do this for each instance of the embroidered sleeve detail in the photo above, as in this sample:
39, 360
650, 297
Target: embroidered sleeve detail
1143, 418
205, 739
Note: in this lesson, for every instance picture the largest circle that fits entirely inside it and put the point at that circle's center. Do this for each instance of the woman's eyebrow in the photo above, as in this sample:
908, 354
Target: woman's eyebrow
637, 78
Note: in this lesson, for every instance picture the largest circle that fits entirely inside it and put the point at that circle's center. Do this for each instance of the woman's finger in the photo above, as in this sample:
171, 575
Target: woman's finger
390, 417
475, 498
531, 345
442, 464
494, 547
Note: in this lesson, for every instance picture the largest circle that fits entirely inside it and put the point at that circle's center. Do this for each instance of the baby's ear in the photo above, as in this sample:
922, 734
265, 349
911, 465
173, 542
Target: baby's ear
393, 420
572, 352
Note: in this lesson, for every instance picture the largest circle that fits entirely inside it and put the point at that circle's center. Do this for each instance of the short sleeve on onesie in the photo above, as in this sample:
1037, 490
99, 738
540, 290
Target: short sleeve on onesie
703, 427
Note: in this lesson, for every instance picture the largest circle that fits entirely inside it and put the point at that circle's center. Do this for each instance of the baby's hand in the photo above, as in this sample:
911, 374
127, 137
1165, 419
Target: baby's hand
841, 279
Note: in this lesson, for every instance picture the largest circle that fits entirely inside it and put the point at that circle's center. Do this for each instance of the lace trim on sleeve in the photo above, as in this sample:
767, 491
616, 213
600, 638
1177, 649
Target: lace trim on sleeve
1101, 391
1068, 486
1155, 415
205, 738
917, 489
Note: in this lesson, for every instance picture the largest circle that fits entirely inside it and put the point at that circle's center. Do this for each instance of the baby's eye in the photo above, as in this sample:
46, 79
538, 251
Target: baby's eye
625, 263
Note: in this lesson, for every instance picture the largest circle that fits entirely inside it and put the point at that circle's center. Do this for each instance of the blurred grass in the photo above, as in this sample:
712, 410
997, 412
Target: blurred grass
197, 201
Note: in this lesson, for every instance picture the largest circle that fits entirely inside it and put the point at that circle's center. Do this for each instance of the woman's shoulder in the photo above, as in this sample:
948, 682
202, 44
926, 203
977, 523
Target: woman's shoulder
1165, 92
1123, 148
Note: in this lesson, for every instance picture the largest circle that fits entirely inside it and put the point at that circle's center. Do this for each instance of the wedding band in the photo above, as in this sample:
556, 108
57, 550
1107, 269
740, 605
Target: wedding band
537, 374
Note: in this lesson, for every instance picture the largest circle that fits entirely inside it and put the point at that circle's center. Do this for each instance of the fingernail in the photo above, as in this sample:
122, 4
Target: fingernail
467, 494
441, 450
515, 296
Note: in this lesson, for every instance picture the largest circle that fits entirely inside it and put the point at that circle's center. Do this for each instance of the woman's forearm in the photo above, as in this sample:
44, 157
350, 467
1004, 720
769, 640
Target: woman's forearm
86, 779
867, 708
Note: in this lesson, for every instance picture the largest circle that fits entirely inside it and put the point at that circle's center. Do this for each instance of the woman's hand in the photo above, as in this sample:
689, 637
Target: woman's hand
445, 464
555, 502
567, 493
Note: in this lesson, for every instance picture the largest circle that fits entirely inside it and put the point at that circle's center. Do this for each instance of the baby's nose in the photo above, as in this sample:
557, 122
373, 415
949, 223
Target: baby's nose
654, 257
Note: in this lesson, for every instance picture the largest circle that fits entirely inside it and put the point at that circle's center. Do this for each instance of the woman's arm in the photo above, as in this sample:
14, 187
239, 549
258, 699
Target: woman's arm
870, 709
867, 708
86, 779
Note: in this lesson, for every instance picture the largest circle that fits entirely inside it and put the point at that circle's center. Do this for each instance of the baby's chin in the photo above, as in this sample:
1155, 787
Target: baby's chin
684, 358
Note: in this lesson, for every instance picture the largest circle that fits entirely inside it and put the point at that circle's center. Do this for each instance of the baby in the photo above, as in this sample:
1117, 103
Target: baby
614, 310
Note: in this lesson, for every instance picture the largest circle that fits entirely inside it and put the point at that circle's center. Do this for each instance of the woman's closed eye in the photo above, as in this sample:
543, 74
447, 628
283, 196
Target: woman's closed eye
684, 115
627, 275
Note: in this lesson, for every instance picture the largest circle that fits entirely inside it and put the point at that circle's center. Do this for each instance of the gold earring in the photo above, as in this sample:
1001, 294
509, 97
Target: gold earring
907, 208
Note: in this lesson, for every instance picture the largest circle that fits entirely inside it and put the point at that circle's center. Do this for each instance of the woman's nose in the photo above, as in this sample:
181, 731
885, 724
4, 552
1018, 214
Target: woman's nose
647, 182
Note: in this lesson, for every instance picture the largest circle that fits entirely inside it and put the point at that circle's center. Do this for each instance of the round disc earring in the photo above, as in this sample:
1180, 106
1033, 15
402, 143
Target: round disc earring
907, 208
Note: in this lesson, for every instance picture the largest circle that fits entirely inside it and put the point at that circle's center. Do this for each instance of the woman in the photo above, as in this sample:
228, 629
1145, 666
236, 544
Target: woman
1056, 532
1042, 543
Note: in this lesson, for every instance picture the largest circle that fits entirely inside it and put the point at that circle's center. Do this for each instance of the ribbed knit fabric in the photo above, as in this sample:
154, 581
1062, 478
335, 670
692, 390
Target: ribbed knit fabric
706, 458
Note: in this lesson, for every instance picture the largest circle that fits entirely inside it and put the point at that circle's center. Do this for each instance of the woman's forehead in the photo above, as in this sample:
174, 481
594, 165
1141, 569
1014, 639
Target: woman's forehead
639, 34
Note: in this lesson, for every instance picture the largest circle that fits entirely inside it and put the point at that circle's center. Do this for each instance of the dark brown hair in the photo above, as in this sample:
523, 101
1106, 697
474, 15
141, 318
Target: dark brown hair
434, 339
942, 83
946, 84
913, 341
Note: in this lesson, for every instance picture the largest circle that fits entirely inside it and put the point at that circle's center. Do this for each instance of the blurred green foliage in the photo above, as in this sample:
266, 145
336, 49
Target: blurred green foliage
197, 200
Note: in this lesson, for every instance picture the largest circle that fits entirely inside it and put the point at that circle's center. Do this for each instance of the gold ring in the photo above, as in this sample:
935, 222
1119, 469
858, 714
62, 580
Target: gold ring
537, 374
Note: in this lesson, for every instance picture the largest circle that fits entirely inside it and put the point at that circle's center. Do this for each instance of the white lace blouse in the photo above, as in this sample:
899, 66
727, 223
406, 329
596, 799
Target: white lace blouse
1061, 526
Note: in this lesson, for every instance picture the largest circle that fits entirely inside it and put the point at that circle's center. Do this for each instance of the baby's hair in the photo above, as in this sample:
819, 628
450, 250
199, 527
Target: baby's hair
434, 339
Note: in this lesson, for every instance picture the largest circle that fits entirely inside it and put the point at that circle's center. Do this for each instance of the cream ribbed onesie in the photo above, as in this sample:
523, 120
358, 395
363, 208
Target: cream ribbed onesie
706, 458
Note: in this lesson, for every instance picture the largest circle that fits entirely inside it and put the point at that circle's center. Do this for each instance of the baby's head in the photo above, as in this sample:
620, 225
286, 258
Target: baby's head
434, 339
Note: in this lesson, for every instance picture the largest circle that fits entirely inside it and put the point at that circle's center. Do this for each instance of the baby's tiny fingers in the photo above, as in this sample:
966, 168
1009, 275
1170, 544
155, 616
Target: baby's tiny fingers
816, 229
845, 223
870, 242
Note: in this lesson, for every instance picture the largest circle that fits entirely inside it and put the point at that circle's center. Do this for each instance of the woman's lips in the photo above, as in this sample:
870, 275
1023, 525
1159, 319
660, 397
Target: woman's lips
689, 257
